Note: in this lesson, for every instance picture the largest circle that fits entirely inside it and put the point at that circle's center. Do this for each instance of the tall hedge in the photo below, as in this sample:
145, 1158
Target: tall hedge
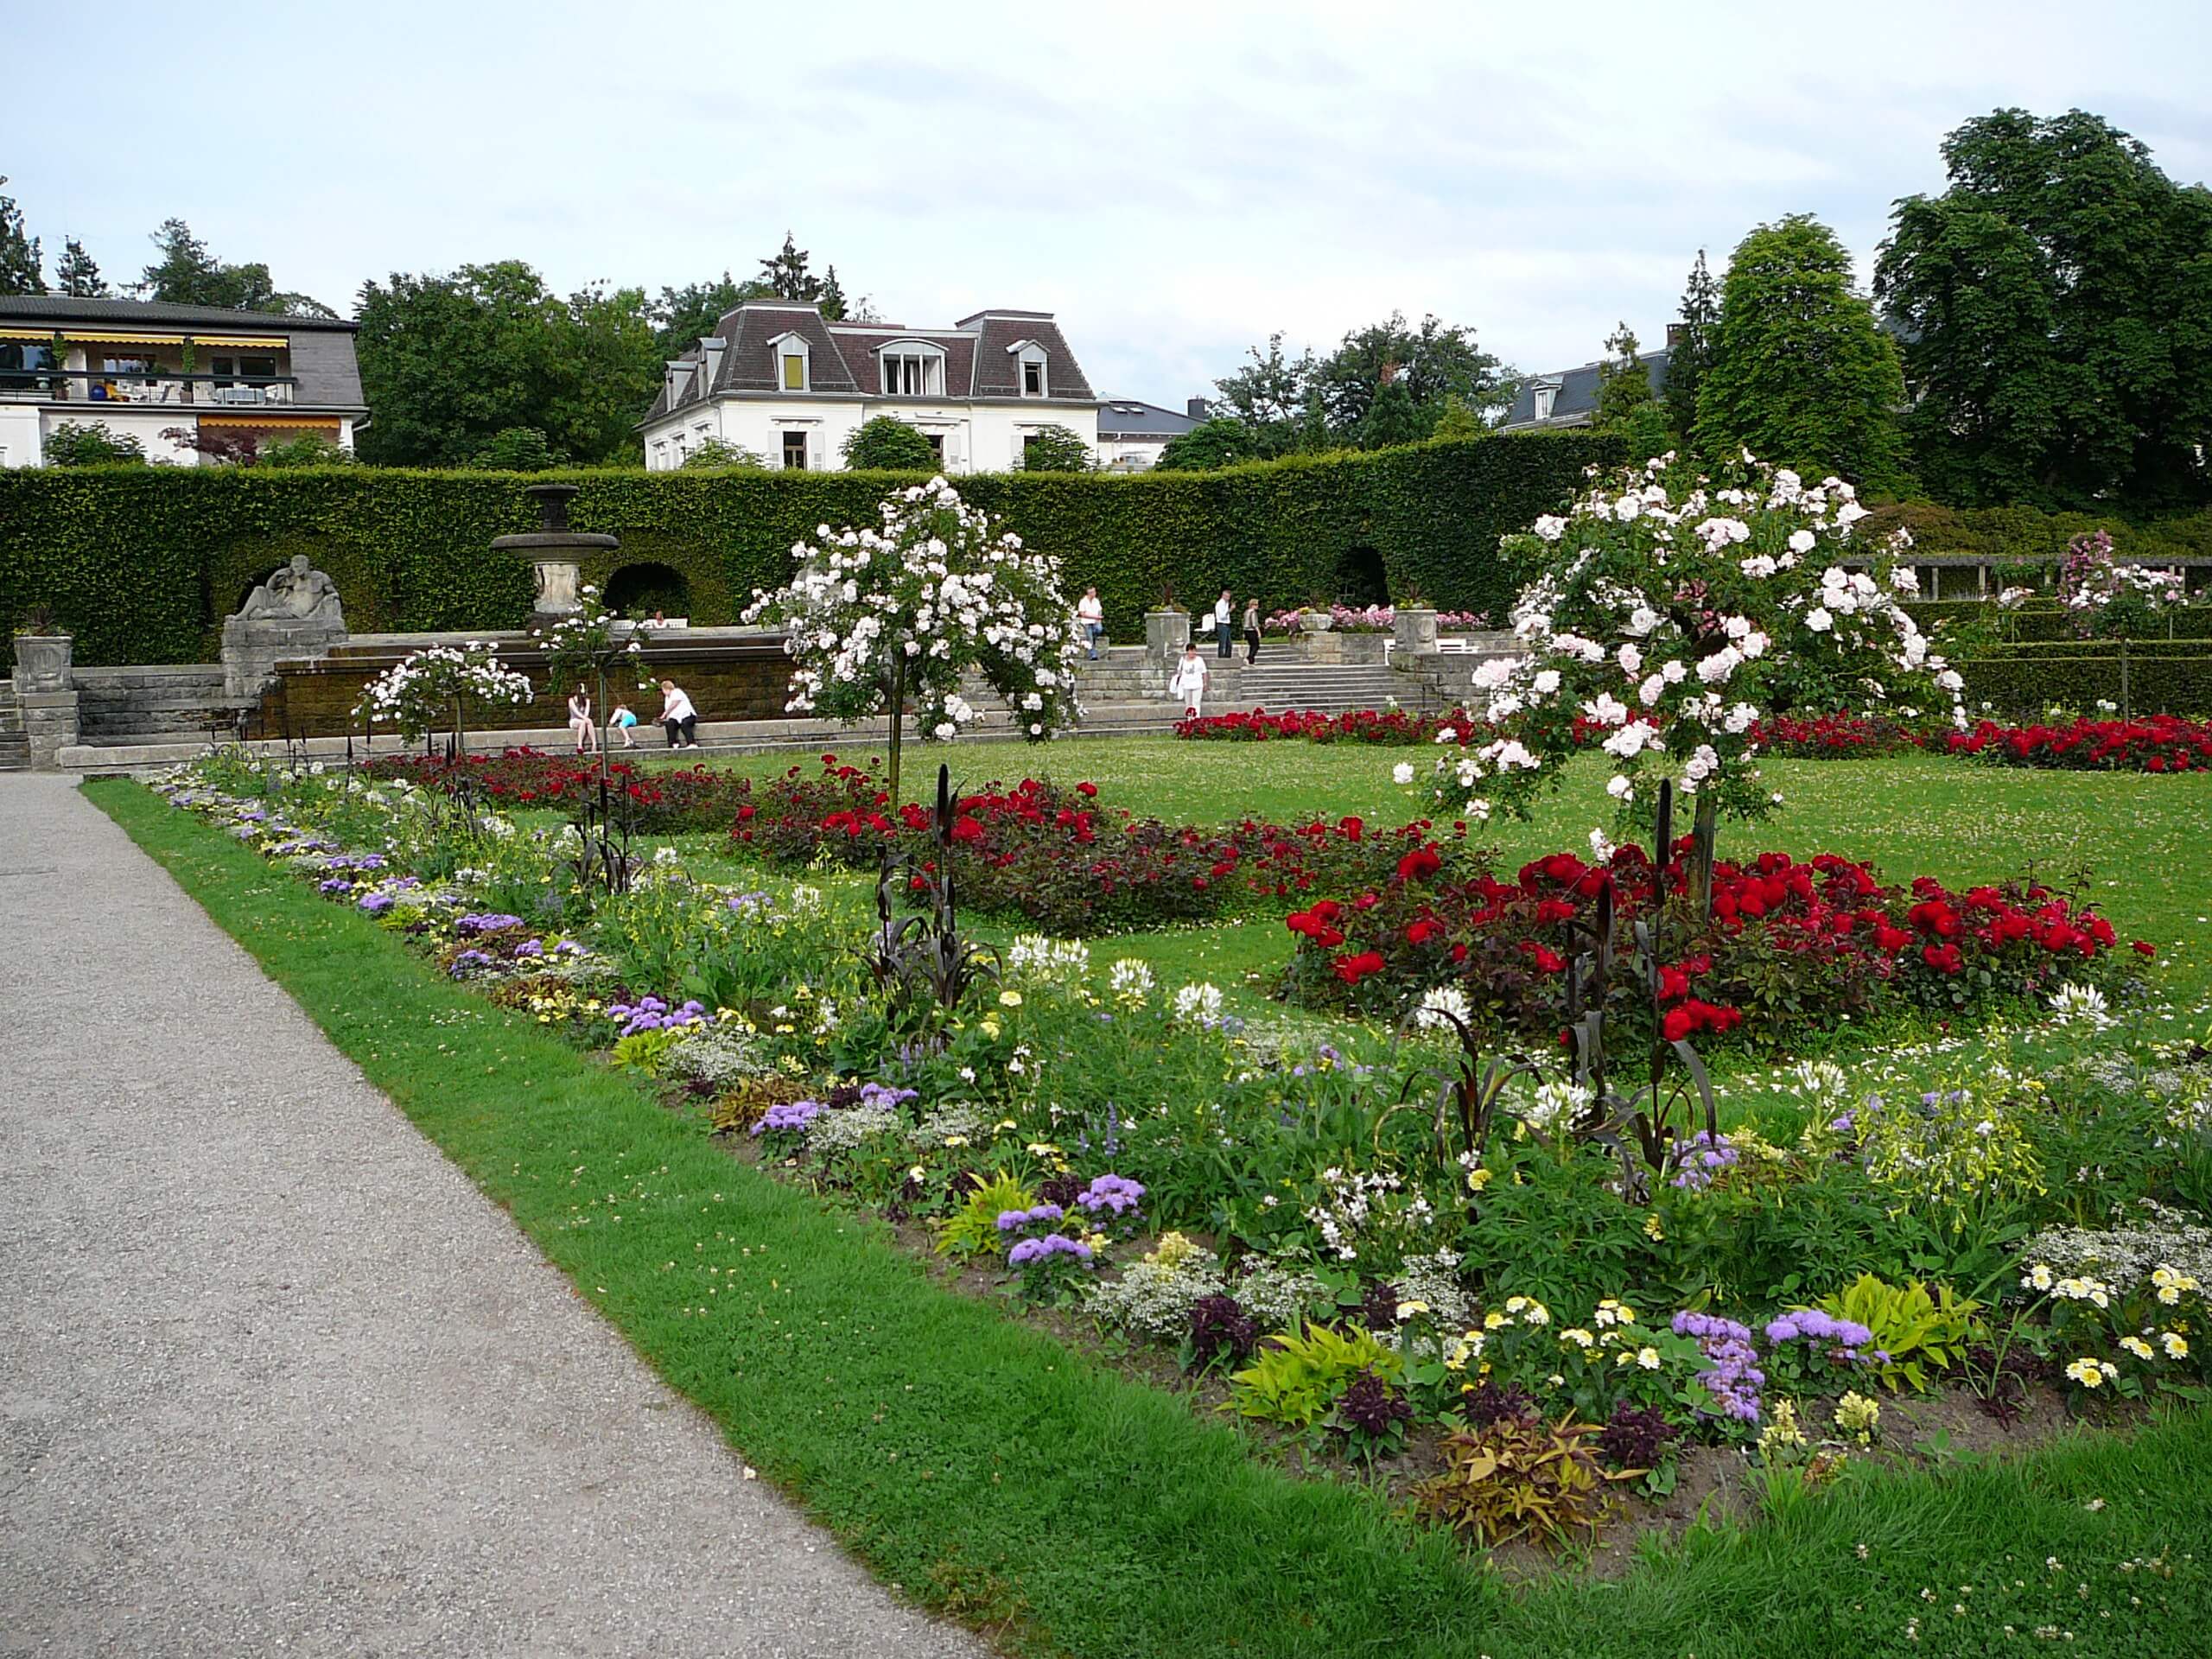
142, 563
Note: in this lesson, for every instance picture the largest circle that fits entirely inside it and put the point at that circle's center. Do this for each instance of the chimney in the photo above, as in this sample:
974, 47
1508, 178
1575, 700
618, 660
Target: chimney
710, 353
1195, 408
1674, 334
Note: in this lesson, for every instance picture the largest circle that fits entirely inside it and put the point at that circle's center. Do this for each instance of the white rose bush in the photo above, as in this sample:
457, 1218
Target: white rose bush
1675, 612
420, 690
887, 618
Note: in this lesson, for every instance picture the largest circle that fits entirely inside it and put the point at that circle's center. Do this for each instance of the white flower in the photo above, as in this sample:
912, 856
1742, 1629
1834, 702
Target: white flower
1550, 527
1403, 773
1547, 682
1818, 620
1632, 660
1442, 1000
1621, 789
1199, 1003
1802, 541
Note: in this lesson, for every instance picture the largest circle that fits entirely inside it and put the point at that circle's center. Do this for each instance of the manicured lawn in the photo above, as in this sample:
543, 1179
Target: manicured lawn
1002, 1478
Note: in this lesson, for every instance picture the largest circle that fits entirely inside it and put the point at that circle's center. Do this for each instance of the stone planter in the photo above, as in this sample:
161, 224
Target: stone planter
1316, 622
1165, 633
1413, 629
42, 662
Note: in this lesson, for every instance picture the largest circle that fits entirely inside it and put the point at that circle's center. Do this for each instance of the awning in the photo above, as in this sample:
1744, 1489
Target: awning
324, 423
107, 337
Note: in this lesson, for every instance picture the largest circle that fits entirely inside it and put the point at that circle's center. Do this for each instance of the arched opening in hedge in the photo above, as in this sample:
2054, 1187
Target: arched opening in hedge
642, 589
238, 600
1361, 580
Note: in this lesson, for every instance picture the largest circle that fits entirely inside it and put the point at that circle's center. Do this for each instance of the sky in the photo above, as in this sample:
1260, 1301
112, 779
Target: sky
1175, 182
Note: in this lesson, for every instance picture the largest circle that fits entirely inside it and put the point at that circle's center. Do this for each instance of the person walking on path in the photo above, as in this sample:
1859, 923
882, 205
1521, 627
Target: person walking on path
625, 722
1223, 612
1189, 680
1092, 615
677, 717
580, 726
1251, 631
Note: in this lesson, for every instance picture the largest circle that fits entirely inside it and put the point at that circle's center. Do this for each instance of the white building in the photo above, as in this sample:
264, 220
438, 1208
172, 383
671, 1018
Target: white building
165, 374
775, 378
1132, 433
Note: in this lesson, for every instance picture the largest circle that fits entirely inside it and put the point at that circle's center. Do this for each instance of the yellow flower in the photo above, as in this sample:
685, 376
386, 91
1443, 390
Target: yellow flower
2091, 1373
1652, 1230
1492, 1319
1477, 1179
1407, 1310
1648, 1358
1009, 999
1856, 1415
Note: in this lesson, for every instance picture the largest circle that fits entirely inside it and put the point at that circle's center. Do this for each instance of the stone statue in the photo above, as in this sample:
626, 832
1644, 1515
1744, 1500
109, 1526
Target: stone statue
295, 593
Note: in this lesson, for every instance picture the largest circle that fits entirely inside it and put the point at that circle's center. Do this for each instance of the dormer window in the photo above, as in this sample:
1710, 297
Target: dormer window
912, 369
1029, 368
793, 370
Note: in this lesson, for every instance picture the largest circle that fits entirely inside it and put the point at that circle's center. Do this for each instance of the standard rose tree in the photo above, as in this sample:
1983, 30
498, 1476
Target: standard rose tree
1674, 612
889, 619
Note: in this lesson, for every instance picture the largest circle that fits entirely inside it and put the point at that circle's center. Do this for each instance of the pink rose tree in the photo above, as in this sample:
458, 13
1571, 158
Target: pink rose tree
1673, 612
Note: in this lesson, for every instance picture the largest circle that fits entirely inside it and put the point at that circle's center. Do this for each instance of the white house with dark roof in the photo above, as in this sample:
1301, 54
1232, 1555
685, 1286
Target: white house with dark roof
1132, 433
778, 379
145, 368
1569, 396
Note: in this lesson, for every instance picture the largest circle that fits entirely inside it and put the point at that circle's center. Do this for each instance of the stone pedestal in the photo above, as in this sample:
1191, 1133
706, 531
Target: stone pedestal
252, 646
1165, 633
555, 553
49, 725
557, 580
42, 661
1414, 629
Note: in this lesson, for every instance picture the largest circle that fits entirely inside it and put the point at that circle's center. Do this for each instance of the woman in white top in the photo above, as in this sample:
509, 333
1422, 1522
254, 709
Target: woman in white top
580, 726
677, 717
1189, 680
1090, 615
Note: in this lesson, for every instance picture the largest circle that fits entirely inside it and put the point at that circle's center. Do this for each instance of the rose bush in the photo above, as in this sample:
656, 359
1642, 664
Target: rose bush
2160, 743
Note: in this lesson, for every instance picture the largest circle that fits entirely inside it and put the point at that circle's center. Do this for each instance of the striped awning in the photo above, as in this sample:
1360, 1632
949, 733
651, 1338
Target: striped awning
324, 423
110, 337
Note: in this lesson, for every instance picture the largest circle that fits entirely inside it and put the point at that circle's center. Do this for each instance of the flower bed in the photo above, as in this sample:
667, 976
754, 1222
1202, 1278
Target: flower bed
1832, 737
1058, 857
661, 801
1787, 945
1371, 619
1383, 726
2159, 744
1476, 1288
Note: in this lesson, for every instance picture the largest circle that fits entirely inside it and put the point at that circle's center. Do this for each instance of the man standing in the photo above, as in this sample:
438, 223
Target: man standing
1223, 614
1092, 616
677, 717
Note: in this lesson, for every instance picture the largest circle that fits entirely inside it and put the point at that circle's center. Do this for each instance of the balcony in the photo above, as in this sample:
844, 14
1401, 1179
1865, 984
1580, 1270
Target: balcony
163, 388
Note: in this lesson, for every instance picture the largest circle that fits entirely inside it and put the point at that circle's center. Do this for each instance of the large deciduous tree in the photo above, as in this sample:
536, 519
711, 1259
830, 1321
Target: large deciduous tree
1222, 441
2055, 304
1270, 395
1801, 376
1436, 361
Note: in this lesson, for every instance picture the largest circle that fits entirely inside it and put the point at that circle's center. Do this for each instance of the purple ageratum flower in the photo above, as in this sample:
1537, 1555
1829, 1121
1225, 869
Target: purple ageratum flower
788, 1116
334, 884
1846, 1337
747, 901
1700, 1158
1734, 1379
530, 947
489, 922
469, 962
376, 903
650, 1014
877, 1096
1033, 1251
1013, 1221
570, 947
1114, 1194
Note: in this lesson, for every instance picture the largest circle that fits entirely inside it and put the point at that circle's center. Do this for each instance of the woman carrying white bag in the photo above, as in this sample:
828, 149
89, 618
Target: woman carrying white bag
1188, 682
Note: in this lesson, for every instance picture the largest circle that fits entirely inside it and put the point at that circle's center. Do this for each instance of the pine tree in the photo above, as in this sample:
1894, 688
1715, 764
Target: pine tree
20, 271
1623, 382
1691, 353
79, 277
786, 272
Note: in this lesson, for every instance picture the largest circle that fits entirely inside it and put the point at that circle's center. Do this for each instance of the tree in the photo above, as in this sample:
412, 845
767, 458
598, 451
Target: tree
1801, 376
78, 275
91, 444
684, 314
220, 445
1269, 396
1623, 382
785, 274
887, 444
1457, 419
1055, 449
308, 449
1435, 361
2055, 304
607, 367
884, 617
1691, 348
1391, 418
1222, 441
713, 455
188, 274
20, 269
517, 449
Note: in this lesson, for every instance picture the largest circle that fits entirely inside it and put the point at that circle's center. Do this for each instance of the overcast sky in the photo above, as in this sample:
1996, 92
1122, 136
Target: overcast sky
1174, 181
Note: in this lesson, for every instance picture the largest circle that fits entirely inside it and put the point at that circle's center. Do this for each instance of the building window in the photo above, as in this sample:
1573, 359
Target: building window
912, 374
937, 445
247, 368
1033, 378
660, 455
795, 451
794, 371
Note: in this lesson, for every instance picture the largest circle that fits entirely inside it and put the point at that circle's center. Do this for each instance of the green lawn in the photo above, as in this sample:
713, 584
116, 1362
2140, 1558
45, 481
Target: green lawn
1009, 1481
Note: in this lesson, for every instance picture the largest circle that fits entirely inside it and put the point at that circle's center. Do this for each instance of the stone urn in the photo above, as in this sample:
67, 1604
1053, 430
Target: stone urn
556, 553
1412, 628
1166, 631
1313, 621
42, 662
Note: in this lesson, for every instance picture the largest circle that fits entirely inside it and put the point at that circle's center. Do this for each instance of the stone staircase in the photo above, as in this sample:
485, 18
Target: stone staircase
15, 743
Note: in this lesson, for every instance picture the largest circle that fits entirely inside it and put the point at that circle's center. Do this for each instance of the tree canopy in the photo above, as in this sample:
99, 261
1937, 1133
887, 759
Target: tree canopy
2055, 304
889, 445
188, 274
1211, 444
1690, 350
1801, 376
20, 269
1056, 449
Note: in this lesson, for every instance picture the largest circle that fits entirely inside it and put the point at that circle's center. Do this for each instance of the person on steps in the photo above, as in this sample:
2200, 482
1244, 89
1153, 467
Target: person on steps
1251, 631
1189, 681
1091, 616
625, 722
1223, 610
677, 717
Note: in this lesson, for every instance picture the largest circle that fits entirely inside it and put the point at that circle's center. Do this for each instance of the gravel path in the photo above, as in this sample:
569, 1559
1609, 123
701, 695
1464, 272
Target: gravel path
274, 1377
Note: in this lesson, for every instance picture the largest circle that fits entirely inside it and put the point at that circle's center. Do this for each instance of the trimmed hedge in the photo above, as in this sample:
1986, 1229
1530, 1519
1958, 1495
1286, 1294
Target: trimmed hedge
2170, 677
2049, 622
2032, 533
142, 563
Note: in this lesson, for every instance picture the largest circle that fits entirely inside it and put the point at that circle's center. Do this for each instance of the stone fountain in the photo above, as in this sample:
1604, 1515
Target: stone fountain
556, 551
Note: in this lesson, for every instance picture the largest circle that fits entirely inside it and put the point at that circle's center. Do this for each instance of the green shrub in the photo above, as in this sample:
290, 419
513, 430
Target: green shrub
1521, 1477
1919, 1331
142, 563
1295, 1380
973, 1228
